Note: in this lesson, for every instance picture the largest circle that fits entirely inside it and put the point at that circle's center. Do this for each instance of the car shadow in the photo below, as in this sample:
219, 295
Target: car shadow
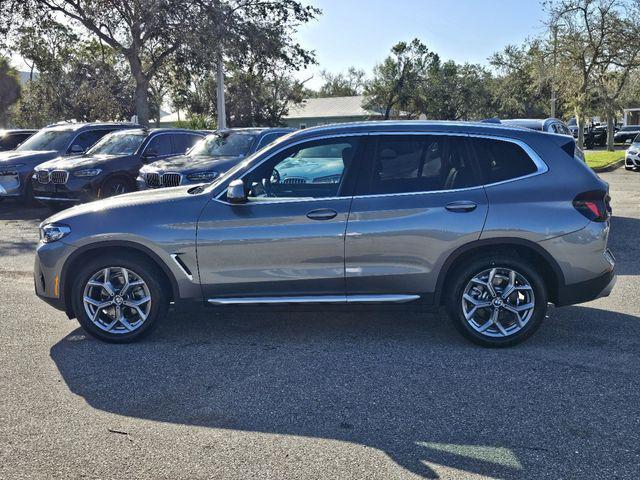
11, 209
403, 383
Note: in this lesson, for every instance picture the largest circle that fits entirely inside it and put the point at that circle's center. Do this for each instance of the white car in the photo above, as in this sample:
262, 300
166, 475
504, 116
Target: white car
632, 155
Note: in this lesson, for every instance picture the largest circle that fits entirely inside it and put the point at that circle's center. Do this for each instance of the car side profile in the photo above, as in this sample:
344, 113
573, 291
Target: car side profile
627, 134
65, 139
10, 139
491, 221
110, 167
211, 157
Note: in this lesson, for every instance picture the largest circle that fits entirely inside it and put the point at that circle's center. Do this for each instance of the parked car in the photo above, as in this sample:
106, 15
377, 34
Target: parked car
110, 167
17, 166
209, 158
632, 155
548, 125
10, 139
626, 134
492, 221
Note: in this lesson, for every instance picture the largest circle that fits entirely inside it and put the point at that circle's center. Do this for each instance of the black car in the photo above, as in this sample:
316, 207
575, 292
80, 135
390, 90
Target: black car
10, 139
17, 166
110, 167
213, 156
549, 125
626, 134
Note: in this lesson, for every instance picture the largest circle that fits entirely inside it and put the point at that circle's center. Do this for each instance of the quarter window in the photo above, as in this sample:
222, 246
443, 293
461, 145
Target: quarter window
312, 170
420, 163
500, 160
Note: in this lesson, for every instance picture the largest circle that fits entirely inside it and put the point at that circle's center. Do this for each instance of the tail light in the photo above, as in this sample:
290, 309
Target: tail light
595, 205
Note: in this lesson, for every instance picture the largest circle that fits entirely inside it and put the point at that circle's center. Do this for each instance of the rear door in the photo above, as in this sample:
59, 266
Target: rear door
418, 200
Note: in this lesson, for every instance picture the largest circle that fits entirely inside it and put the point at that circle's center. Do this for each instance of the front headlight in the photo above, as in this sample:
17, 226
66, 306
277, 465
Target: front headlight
87, 172
202, 176
10, 169
52, 232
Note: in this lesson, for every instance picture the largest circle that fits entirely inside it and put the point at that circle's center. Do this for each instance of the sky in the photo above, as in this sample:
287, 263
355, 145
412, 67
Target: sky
361, 33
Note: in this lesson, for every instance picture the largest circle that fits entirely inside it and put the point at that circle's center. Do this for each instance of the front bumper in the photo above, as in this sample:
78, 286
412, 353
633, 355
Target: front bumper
47, 273
632, 160
76, 190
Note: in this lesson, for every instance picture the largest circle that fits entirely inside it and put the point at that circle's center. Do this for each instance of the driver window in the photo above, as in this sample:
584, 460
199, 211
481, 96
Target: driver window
311, 170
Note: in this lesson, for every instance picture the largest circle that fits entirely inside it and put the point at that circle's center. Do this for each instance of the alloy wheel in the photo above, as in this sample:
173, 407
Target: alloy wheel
498, 302
117, 300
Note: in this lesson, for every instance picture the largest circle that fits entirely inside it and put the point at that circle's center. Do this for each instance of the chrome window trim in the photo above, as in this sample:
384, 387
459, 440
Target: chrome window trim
541, 166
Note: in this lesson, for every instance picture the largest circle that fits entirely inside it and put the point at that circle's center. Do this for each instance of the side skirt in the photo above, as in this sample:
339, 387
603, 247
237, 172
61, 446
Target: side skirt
315, 299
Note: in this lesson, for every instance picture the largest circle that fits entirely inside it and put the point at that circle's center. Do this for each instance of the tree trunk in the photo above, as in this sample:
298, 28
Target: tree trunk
580, 123
610, 132
142, 102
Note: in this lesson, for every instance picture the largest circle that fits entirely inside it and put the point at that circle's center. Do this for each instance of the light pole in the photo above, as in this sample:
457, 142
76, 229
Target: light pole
222, 116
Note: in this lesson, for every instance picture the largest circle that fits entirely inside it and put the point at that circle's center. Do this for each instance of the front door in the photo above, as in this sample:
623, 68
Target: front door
287, 240
419, 201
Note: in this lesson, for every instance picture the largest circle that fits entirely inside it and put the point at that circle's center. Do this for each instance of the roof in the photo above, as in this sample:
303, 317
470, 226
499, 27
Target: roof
331, 107
77, 126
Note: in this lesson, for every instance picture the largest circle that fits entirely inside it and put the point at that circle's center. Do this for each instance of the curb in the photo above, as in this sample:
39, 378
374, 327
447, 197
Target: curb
611, 167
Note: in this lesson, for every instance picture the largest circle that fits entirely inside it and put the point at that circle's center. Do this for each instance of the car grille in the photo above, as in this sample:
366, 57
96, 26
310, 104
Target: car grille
155, 180
42, 176
294, 180
59, 176
152, 179
171, 179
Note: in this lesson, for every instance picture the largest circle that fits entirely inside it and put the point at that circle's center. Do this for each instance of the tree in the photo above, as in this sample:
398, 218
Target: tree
148, 33
9, 88
396, 79
521, 87
346, 84
449, 91
599, 50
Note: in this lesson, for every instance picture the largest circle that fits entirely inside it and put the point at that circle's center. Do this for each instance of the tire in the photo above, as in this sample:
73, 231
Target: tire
508, 330
116, 186
138, 269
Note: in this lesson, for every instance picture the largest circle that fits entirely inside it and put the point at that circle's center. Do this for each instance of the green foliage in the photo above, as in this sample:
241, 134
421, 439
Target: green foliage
346, 84
9, 88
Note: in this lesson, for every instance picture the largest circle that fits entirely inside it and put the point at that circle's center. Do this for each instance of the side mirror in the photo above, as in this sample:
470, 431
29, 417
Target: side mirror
236, 192
76, 149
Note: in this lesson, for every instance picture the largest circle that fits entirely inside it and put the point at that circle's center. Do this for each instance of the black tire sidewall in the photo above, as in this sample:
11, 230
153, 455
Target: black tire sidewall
105, 190
148, 272
465, 273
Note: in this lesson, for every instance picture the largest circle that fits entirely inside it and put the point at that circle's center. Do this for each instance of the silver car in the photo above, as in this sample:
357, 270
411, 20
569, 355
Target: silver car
491, 221
632, 155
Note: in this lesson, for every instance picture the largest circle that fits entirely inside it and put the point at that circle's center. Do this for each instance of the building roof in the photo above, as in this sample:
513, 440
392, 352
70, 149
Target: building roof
331, 107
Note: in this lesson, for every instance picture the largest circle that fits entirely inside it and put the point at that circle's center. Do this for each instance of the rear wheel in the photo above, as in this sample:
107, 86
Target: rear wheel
119, 299
497, 301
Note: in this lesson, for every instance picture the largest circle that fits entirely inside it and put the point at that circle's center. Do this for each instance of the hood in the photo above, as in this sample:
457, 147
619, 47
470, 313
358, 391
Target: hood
145, 197
187, 163
31, 157
78, 161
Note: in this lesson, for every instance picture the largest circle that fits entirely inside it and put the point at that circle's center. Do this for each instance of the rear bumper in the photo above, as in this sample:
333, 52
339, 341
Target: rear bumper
586, 291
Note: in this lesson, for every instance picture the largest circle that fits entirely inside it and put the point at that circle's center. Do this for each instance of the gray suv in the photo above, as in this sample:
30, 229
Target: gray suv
492, 221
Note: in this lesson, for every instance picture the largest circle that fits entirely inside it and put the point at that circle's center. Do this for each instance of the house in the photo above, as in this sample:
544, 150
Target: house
321, 111
631, 116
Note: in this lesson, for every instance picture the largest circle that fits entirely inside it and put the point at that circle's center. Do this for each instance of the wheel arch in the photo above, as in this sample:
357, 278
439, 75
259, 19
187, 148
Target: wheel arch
538, 256
116, 246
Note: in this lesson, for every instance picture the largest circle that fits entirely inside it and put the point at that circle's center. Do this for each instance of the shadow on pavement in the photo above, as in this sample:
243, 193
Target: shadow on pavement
403, 383
623, 242
11, 209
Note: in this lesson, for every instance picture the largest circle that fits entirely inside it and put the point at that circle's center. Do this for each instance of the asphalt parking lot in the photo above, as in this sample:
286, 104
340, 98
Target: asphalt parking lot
326, 394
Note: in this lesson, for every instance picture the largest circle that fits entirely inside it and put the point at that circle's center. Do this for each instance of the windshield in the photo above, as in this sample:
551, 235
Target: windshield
637, 139
44, 140
118, 144
232, 144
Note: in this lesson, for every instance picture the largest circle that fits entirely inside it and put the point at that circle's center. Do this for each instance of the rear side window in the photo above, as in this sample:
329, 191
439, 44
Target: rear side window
184, 141
88, 138
500, 160
159, 146
420, 163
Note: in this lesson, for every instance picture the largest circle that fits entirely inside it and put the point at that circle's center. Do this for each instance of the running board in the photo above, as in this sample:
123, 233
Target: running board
315, 299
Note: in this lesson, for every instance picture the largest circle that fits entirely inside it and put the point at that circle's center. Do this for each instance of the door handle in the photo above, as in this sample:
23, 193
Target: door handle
461, 206
322, 214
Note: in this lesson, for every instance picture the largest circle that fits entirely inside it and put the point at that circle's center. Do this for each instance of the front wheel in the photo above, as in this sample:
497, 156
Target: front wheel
116, 186
497, 301
119, 298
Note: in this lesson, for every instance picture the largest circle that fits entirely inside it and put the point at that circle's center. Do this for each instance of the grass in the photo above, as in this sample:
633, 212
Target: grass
602, 158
